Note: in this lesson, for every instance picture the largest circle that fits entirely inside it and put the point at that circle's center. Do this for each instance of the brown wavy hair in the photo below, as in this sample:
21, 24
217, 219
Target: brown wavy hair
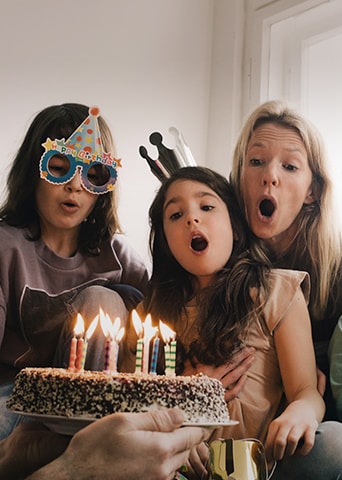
19, 208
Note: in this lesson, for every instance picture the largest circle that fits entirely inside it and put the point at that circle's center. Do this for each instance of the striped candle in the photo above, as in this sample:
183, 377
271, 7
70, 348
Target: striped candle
108, 349
172, 366
139, 355
167, 358
84, 354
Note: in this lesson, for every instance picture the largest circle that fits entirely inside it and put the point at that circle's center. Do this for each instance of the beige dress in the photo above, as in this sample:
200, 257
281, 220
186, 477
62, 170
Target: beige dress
262, 394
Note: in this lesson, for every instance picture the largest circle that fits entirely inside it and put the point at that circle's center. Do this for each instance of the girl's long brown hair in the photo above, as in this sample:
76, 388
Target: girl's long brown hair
225, 308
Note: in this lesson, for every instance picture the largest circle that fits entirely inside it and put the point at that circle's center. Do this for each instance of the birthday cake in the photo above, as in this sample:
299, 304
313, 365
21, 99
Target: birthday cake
56, 391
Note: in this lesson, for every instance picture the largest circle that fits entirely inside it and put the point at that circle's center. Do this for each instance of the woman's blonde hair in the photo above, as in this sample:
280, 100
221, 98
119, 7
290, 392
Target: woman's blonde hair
316, 247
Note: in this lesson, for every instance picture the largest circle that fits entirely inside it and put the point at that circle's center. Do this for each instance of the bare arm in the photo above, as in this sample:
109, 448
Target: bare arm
294, 430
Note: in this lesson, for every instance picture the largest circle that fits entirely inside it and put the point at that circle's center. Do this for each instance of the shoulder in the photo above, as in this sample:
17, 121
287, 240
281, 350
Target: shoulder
12, 235
127, 256
123, 248
284, 288
287, 282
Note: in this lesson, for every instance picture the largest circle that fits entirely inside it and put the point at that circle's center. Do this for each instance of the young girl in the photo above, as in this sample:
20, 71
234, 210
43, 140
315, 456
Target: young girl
62, 252
211, 284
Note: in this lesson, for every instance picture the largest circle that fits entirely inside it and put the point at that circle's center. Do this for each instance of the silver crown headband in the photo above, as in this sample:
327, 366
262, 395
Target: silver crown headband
168, 160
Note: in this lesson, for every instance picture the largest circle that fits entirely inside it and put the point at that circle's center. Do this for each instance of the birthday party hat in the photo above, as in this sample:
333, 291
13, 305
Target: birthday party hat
84, 149
168, 159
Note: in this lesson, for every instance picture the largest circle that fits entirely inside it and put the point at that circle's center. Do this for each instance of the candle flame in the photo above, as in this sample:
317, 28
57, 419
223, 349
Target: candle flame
149, 331
166, 332
116, 327
137, 323
79, 327
105, 322
92, 327
120, 334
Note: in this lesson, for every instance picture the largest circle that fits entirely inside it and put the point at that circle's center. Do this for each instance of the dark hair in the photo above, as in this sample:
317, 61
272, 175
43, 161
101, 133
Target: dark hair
226, 307
19, 208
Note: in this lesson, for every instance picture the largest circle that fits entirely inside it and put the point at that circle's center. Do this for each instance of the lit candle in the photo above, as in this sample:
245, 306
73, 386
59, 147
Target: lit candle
79, 354
76, 351
173, 355
140, 343
87, 336
107, 329
72, 355
115, 355
113, 334
155, 351
117, 334
149, 333
169, 337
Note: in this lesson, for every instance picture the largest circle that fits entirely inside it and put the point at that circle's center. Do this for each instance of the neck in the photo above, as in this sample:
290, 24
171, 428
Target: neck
64, 244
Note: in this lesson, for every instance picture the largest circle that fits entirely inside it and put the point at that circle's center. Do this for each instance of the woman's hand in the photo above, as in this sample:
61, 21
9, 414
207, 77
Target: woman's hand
127, 446
232, 374
197, 466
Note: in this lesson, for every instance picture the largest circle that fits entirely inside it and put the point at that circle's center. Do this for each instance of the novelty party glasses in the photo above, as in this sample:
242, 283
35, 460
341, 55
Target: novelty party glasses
82, 152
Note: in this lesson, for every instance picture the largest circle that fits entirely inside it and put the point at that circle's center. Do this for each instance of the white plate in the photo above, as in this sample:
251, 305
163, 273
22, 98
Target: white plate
211, 425
60, 424
71, 425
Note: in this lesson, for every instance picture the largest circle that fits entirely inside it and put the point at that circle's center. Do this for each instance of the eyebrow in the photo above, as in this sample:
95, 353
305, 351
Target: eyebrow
197, 195
293, 148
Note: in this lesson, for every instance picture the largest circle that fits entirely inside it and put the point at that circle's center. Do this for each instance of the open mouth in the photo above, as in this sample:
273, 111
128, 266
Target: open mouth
198, 243
266, 208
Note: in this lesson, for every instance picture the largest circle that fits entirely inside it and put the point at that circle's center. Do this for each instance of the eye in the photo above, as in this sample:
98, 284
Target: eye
291, 168
255, 161
207, 208
175, 216
58, 166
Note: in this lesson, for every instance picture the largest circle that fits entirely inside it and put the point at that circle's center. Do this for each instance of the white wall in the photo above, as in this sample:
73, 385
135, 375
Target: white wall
148, 65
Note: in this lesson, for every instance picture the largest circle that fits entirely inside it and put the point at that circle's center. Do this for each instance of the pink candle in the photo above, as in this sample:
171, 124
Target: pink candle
113, 356
79, 354
76, 346
72, 356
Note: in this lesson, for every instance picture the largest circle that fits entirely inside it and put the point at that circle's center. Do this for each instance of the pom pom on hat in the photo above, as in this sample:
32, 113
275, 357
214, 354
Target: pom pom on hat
94, 111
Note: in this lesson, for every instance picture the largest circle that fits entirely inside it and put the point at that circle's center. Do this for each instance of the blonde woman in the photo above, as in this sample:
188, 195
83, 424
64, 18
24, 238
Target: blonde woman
280, 176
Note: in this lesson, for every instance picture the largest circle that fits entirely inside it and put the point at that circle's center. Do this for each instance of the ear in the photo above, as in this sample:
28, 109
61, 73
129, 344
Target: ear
310, 198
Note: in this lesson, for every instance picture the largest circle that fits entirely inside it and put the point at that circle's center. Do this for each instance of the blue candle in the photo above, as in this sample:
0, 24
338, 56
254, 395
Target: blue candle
154, 359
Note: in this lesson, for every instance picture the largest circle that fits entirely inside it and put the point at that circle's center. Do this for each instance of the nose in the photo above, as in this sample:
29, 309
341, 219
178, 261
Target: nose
191, 219
74, 185
270, 176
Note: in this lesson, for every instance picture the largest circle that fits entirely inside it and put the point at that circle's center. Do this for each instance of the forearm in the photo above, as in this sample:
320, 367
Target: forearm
59, 469
310, 401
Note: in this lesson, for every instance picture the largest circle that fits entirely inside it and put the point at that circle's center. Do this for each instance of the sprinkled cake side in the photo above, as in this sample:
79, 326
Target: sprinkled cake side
55, 391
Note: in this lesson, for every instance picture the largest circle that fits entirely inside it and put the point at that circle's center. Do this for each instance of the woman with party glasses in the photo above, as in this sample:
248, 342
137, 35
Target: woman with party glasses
62, 248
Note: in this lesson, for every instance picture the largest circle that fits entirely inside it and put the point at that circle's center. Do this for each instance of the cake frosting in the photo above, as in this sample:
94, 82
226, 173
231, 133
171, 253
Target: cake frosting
57, 391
